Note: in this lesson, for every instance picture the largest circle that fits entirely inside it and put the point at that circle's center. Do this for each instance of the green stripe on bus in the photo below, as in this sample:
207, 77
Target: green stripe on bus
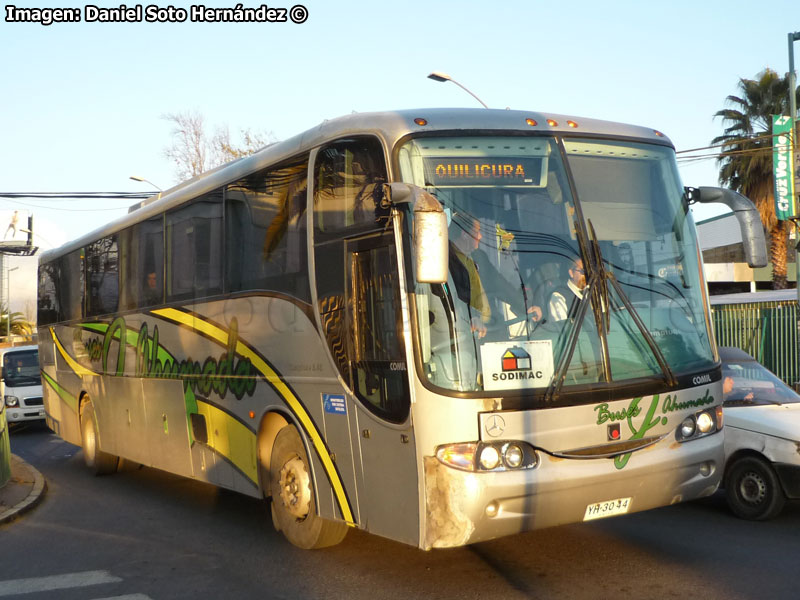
218, 334
65, 396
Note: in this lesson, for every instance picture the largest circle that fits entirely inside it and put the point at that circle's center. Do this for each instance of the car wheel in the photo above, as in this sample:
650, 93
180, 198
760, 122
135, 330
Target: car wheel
753, 490
294, 510
98, 461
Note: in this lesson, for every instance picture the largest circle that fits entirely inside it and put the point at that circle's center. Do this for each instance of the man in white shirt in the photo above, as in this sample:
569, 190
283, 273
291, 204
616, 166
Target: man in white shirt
564, 300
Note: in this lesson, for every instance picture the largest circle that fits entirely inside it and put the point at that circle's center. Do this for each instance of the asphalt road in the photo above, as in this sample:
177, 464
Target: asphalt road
147, 534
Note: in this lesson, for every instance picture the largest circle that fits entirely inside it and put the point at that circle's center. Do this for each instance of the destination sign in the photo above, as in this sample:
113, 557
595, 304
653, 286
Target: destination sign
443, 171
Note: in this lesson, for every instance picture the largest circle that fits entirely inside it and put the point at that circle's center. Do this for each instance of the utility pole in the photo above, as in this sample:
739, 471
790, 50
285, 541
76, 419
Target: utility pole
793, 37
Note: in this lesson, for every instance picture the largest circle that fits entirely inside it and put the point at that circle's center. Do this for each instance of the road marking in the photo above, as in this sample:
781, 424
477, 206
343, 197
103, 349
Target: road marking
55, 582
128, 597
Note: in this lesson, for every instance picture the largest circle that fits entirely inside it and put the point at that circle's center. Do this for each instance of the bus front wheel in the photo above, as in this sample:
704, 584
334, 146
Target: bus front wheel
294, 510
101, 463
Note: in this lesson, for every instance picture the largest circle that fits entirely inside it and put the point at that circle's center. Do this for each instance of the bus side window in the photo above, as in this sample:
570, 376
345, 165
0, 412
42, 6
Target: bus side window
49, 308
194, 248
70, 289
142, 264
348, 186
266, 231
102, 276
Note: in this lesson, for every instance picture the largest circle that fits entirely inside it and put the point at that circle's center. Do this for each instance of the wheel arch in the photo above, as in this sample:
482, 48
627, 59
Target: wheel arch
269, 426
737, 456
82, 398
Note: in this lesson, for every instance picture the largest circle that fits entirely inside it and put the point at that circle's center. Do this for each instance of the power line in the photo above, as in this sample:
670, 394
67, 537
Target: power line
80, 195
732, 142
15, 197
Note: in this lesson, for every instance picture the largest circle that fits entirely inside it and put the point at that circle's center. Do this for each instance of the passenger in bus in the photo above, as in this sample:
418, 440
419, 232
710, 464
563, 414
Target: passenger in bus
564, 300
625, 257
152, 293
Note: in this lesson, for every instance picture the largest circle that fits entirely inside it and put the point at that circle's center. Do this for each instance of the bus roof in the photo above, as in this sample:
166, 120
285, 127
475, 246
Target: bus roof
390, 127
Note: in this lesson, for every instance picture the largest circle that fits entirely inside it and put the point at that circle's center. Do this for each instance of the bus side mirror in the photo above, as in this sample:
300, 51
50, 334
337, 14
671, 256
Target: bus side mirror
430, 231
755, 245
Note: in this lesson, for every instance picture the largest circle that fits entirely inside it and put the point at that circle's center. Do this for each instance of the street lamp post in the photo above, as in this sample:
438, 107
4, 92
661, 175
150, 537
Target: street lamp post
439, 76
8, 303
143, 180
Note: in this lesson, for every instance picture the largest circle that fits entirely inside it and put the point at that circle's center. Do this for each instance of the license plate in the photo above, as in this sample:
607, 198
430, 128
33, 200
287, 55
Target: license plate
599, 510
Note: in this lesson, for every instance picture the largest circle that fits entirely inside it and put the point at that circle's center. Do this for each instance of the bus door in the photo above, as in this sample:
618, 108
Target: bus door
358, 299
383, 436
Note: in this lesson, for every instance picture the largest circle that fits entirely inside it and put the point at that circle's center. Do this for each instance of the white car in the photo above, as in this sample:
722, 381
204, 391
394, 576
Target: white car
21, 384
762, 438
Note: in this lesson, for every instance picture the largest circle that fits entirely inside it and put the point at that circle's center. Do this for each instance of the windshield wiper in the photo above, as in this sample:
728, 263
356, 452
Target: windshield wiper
597, 287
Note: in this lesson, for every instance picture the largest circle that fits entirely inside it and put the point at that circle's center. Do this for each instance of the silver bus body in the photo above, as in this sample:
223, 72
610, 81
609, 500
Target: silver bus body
202, 386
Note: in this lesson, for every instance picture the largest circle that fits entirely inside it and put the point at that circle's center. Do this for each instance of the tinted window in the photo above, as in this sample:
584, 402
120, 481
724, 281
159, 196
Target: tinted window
194, 249
348, 189
21, 368
378, 365
69, 289
142, 259
266, 231
102, 276
48, 305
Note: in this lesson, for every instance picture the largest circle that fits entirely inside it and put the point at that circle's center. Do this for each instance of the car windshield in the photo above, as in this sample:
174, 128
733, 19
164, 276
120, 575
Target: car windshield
21, 368
547, 289
748, 383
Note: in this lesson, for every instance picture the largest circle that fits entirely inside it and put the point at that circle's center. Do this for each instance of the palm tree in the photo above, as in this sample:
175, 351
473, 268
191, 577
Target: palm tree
19, 324
746, 154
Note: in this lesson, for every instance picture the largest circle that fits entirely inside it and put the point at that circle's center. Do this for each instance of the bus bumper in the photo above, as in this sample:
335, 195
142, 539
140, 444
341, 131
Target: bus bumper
464, 508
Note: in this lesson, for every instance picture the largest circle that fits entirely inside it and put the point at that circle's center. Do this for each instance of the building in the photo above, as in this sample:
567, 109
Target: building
725, 267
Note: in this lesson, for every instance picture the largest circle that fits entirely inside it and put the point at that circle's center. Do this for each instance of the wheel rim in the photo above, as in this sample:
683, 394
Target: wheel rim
295, 488
753, 488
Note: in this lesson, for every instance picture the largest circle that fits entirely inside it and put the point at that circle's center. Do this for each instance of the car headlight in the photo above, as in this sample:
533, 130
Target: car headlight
11, 401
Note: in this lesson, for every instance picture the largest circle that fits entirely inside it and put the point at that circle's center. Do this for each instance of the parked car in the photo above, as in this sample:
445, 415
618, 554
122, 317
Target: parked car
762, 438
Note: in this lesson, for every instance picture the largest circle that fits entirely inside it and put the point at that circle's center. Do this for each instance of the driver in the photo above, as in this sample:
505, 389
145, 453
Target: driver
564, 300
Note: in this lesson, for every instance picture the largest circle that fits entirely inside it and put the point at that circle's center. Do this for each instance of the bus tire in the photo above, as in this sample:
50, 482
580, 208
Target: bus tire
294, 510
101, 463
753, 490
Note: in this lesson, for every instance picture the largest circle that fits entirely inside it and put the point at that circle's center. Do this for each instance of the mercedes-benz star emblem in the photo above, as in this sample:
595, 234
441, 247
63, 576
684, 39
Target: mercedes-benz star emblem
495, 425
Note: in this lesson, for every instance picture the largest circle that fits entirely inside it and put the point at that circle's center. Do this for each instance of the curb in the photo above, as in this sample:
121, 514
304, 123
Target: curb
34, 496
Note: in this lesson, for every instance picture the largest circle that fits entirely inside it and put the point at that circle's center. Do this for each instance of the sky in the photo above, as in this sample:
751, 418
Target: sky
82, 105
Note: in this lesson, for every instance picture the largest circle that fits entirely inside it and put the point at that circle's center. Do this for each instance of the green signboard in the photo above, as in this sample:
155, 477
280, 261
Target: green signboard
783, 167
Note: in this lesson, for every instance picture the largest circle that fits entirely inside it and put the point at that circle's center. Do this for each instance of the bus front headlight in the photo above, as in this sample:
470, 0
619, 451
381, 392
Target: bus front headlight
700, 424
488, 456
704, 422
11, 401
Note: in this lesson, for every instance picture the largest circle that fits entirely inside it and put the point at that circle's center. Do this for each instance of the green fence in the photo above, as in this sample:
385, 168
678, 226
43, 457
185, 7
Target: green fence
766, 330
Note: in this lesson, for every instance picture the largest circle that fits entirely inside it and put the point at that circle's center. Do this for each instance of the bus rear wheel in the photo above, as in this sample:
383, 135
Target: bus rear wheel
294, 510
101, 463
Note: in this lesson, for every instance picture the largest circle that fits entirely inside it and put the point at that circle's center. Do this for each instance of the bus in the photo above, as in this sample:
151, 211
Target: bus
355, 325
20, 383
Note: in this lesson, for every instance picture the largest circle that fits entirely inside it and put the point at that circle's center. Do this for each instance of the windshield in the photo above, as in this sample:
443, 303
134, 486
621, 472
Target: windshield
748, 383
547, 289
21, 368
